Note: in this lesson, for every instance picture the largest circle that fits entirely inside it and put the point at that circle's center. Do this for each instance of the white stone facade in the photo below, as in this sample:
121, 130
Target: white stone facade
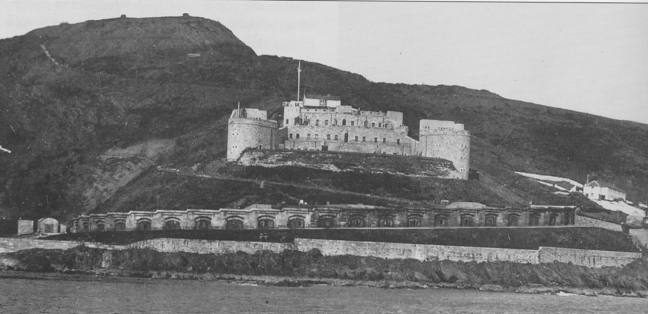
597, 190
323, 123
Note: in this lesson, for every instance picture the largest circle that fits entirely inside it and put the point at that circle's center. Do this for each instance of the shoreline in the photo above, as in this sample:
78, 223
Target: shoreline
287, 281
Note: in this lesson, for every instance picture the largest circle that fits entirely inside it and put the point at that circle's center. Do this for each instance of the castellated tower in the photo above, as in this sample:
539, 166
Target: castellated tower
447, 140
247, 128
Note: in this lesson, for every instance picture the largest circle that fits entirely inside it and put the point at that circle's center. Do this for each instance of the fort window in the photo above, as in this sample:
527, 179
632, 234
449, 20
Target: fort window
375, 140
203, 223
316, 122
534, 220
328, 136
373, 124
297, 135
356, 138
308, 135
120, 225
352, 123
265, 223
143, 225
172, 224
326, 222
334, 121
364, 139
379, 125
290, 135
287, 120
346, 137
398, 141
466, 220
552, 219
343, 121
85, 226
491, 220
414, 221
234, 224
296, 223
513, 220
336, 137
316, 135
356, 221
325, 122
366, 123
440, 220
386, 221
384, 140
100, 227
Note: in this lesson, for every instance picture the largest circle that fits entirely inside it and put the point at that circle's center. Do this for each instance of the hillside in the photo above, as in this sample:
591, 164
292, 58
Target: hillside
90, 109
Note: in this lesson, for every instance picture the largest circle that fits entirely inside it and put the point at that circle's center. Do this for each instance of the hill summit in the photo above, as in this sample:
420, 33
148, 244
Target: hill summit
92, 110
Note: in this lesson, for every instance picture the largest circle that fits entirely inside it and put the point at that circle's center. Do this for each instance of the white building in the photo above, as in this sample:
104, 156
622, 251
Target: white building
599, 190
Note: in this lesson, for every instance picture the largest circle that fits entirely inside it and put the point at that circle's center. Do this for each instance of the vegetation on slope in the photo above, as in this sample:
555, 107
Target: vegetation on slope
514, 238
121, 82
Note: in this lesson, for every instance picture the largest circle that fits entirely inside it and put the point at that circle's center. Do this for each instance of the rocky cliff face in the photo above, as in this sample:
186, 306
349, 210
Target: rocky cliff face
72, 93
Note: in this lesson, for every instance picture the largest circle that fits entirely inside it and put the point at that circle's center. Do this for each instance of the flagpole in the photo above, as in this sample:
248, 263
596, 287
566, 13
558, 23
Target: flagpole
298, 78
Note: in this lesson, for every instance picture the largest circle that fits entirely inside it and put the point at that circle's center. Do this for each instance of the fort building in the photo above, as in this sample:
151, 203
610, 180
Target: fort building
323, 123
264, 216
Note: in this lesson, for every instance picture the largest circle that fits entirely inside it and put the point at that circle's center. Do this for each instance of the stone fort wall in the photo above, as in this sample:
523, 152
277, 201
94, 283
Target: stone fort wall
245, 131
422, 252
426, 252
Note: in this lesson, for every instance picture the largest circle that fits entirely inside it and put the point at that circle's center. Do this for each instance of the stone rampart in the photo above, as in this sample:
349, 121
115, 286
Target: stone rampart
583, 221
589, 258
421, 252
210, 246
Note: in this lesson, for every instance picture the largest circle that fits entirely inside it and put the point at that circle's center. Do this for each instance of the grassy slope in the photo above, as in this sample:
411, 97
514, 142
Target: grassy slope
514, 238
128, 81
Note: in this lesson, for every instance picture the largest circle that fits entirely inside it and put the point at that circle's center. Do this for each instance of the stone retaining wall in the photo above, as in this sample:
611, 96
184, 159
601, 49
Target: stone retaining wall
589, 258
209, 246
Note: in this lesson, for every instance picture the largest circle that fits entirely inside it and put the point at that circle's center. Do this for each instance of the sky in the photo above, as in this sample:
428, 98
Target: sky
581, 56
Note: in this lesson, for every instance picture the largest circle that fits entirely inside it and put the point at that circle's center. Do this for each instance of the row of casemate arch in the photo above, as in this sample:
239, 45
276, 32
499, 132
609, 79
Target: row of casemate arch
231, 223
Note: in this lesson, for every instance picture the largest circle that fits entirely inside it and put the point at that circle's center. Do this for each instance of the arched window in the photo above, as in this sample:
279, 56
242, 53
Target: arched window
203, 223
491, 220
467, 220
290, 136
386, 221
440, 220
512, 220
143, 225
352, 123
265, 223
235, 223
317, 122
297, 135
171, 224
101, 227
384, 140
356, 221
328, 136
296, 222
373, 124
120, 225
336, 137
366, 123
356, 138
414, 220
325, 222
343, 121
398, 141
534, 219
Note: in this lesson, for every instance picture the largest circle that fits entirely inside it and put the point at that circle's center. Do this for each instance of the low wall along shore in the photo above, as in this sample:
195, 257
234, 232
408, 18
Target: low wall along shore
421, 252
